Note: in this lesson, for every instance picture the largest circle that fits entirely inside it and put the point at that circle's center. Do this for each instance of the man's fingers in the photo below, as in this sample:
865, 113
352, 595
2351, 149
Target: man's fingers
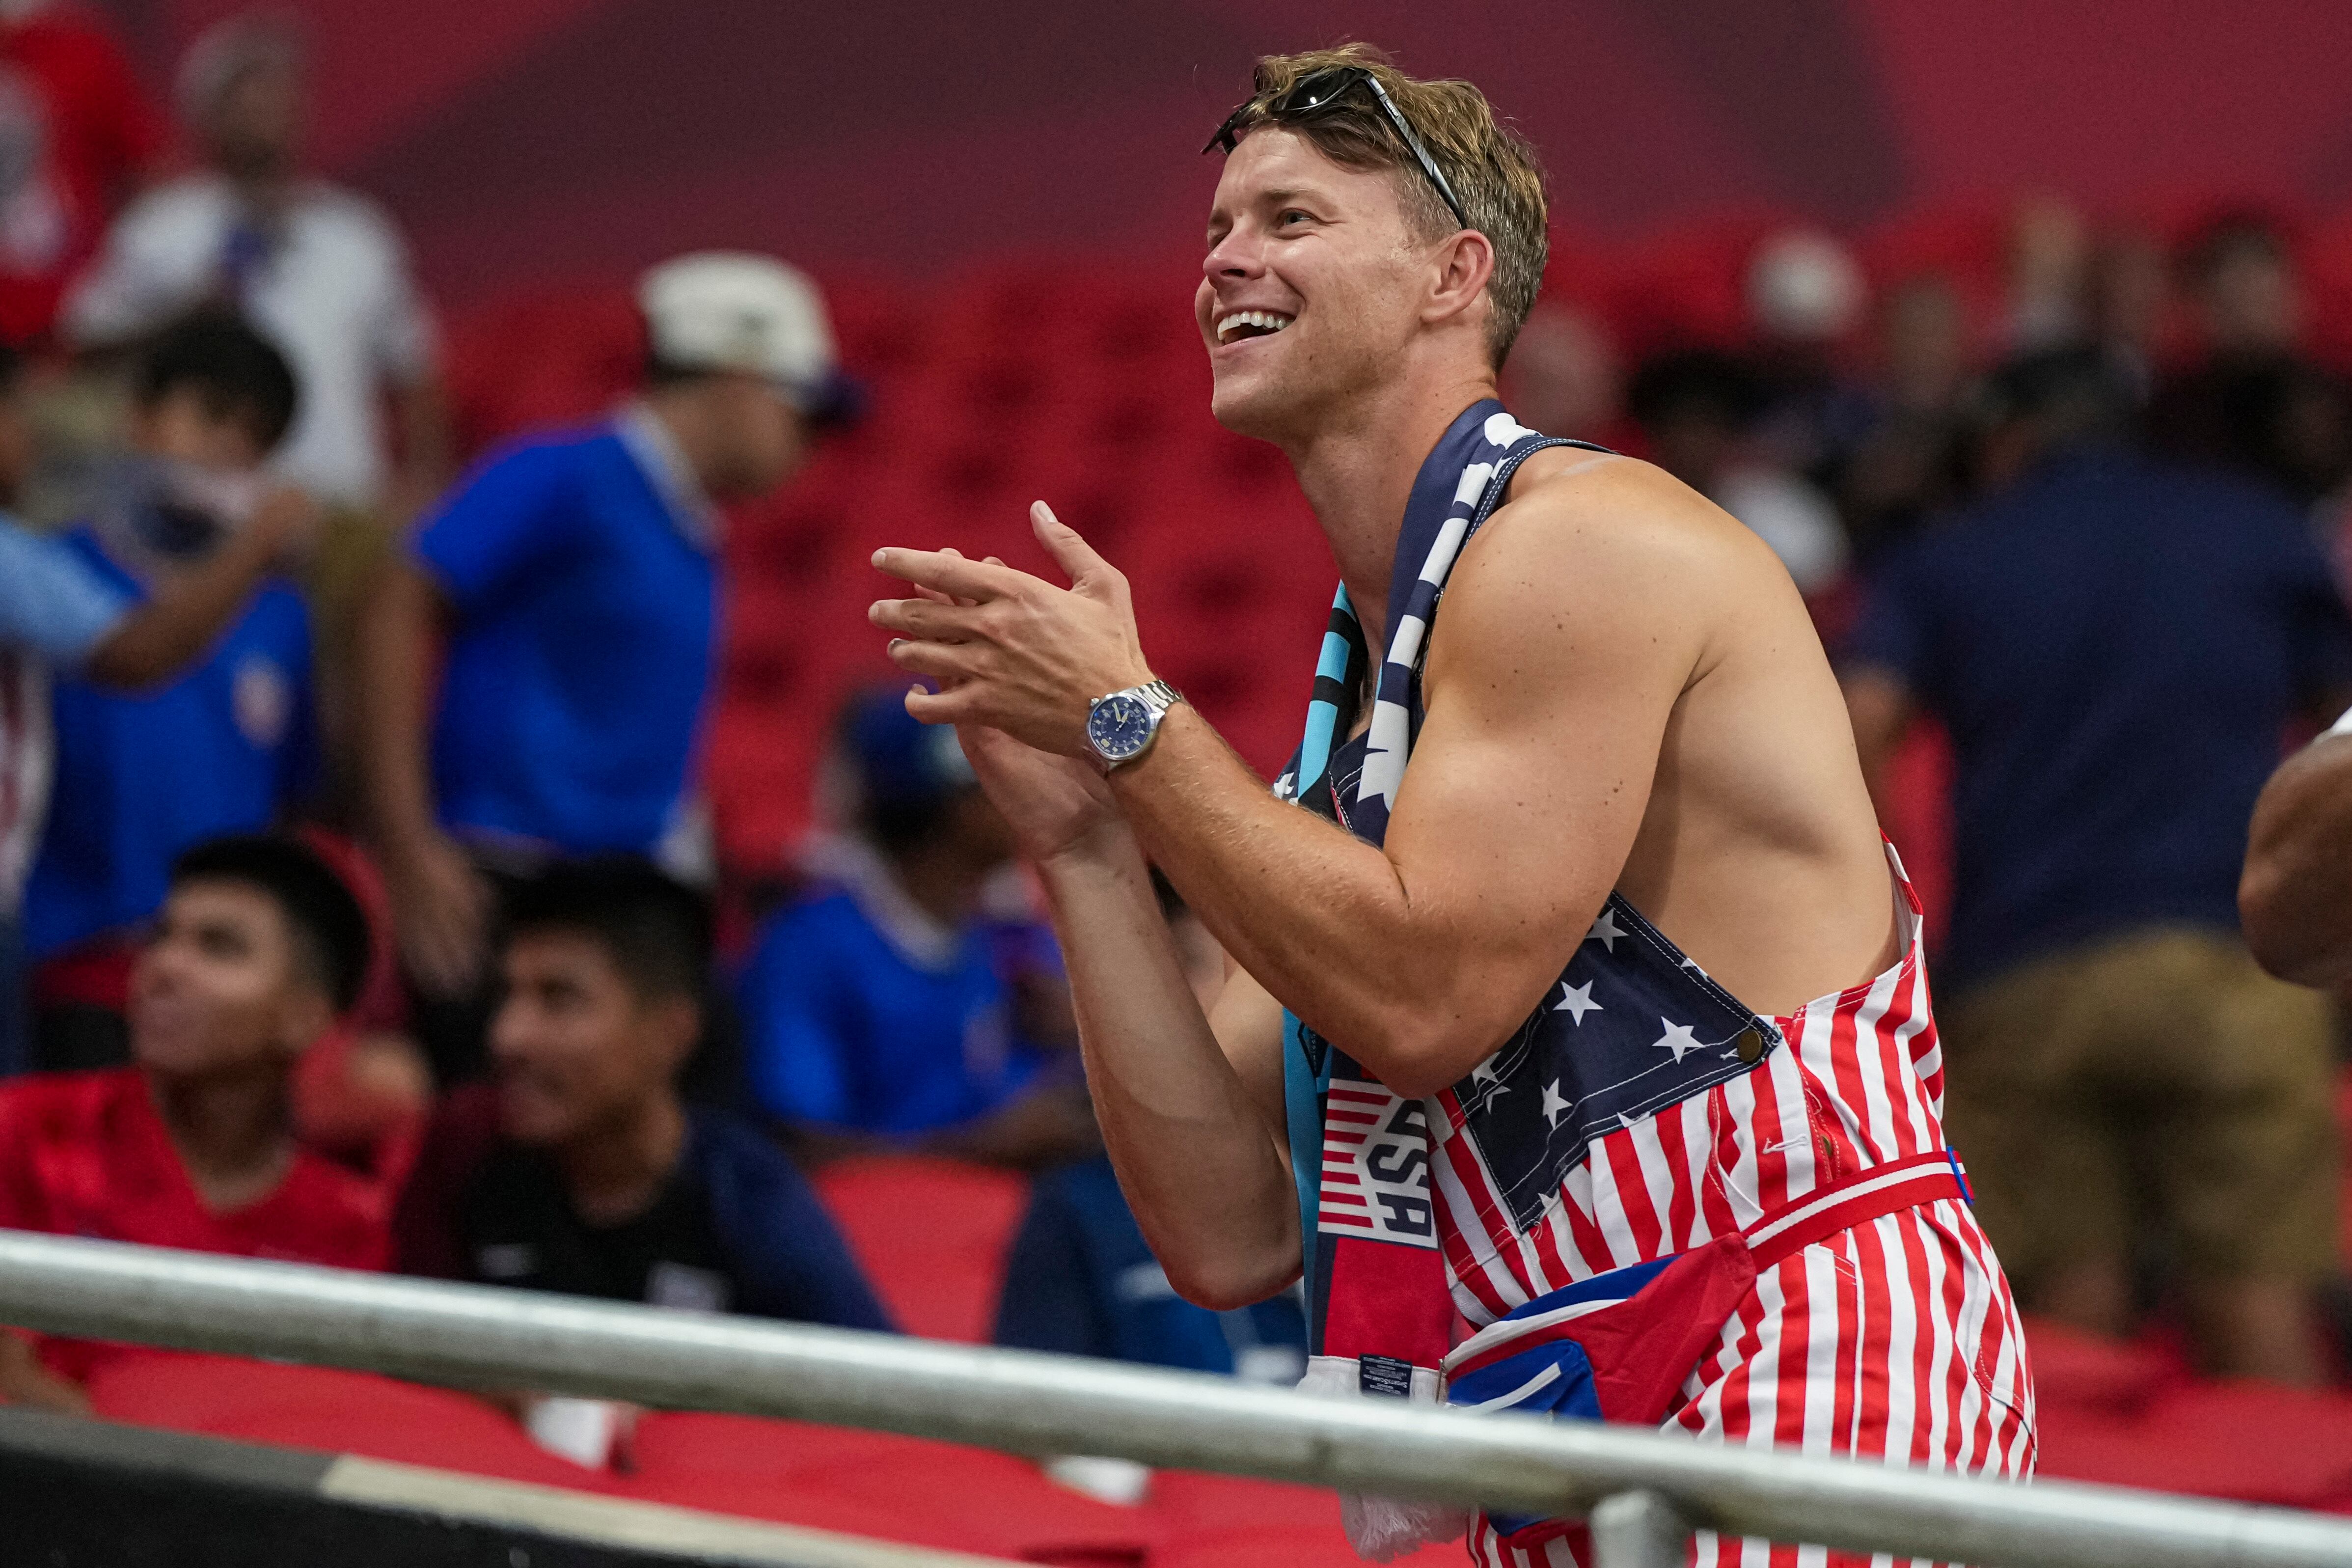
1073, 555
948, 661
950, 573
938, 619
938, 707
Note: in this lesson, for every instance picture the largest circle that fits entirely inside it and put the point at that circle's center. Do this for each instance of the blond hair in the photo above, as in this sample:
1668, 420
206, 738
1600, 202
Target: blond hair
1493, 169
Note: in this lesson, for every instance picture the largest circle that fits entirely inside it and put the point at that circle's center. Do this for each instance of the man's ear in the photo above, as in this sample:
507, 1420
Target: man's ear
1465, 265
304, 1019
676, 1022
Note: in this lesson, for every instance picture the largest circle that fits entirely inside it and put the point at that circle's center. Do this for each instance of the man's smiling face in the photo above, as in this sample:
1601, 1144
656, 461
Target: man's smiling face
1310, 287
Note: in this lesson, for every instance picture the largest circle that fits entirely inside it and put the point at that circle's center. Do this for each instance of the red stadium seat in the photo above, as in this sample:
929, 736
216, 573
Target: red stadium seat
1195, 1504
902, 1488
2075, 1371
2251, 1442
931, 1234
1278, 1548
319, 1407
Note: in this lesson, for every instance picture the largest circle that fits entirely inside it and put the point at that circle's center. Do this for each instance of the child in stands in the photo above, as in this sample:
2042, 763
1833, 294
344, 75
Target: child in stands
225, 748
259, 948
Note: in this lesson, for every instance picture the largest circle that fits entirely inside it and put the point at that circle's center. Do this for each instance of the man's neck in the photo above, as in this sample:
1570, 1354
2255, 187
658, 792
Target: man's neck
1358, 467
616, 1173
233, 1134
684, 417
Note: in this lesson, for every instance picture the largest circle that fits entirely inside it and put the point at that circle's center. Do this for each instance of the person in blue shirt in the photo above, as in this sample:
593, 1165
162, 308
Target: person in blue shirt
189, 717
885, 1007
572, 581
2118, 649
1081, 1280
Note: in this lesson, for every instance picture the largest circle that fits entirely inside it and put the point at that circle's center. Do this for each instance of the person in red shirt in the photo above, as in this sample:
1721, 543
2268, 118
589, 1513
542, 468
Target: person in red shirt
259, 948
77, 135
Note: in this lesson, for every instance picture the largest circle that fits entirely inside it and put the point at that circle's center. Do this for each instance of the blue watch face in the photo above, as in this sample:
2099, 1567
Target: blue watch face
1120, 727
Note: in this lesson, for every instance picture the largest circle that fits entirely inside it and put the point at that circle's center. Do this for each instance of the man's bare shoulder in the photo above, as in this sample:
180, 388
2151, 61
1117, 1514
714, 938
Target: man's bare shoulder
1604, 511
1599, 548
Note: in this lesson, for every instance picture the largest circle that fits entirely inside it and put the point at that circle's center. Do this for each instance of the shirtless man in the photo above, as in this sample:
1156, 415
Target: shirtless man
1441, 1013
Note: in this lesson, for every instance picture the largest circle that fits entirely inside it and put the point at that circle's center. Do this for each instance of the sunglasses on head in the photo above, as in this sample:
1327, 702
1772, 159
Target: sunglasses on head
1318, 92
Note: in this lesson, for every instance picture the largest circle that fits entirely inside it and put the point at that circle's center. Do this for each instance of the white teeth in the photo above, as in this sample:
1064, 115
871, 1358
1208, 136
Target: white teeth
1233, 324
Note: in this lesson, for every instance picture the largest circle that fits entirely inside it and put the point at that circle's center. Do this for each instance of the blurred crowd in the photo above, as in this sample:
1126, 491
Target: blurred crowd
357, 901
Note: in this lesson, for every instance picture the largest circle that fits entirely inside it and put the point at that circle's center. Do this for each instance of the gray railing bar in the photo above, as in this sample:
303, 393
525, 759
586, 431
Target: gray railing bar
1033, 1403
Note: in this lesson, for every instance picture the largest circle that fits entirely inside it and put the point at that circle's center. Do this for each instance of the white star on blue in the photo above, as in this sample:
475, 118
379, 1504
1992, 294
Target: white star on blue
1606, 930
1576, 1001
1679, 1038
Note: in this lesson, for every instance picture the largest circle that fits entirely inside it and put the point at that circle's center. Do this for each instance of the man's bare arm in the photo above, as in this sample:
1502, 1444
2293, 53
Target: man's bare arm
421, 414
2296, 896
171, 630
439, 900
1568, 635
1193, 1116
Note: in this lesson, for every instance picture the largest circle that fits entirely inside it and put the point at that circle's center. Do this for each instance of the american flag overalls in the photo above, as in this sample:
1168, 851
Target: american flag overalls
1651, 1205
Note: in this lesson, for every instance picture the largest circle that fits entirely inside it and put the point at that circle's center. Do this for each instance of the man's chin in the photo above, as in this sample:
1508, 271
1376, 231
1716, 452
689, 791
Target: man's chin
1252, 405
533, 1121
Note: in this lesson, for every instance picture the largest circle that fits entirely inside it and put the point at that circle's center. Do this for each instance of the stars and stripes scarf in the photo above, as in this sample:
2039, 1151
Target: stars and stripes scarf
1379, 1315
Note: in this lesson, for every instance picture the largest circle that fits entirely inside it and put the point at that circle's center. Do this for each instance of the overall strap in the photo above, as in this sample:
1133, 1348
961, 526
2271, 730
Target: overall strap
1496, 488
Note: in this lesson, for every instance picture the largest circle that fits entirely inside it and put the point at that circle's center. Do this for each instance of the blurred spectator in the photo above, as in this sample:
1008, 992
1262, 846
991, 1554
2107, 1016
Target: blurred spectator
877, 1008
77, 133
1081, 1279
2048, 276
2130, 288
580, 1170
317, 268
1806, 295
1910, 462
2117, 649
575, 575
1563, 377
59, 611
226, 747
259, 947
2255, 403
1699, 409
2296, 891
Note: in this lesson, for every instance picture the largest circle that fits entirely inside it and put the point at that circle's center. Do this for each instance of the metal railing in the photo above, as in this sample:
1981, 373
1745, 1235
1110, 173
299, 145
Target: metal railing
1645, 1491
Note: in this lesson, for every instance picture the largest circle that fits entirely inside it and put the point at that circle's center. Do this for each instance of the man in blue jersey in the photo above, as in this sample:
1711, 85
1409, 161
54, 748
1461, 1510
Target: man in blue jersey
187, 525
902, 1000
571, 580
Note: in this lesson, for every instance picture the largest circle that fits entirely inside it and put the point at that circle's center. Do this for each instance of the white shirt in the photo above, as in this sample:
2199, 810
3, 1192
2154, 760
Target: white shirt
334, 294
1792, 516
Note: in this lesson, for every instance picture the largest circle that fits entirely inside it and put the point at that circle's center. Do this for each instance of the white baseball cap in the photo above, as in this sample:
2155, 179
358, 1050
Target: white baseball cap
729, 309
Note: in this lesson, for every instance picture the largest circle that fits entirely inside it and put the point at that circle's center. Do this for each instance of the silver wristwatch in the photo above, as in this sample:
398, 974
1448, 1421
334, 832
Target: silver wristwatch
1122, 726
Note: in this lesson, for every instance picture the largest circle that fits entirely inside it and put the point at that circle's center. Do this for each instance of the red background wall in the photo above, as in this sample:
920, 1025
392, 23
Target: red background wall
522, 140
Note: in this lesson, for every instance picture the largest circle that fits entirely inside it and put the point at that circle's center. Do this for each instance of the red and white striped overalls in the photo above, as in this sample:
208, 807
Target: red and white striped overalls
1897, 1338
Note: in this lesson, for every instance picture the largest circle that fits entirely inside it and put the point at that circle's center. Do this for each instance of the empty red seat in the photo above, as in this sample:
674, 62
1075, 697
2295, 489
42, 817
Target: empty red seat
323, 1408
931, 1234
901, 1488
2246, 1441
2081, 1372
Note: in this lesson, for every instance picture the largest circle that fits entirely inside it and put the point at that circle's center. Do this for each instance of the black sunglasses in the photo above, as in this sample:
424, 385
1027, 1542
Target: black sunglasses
1317, 92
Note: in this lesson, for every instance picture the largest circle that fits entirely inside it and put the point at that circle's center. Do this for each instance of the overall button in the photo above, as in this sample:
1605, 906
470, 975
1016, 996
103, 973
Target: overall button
1748, 1046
